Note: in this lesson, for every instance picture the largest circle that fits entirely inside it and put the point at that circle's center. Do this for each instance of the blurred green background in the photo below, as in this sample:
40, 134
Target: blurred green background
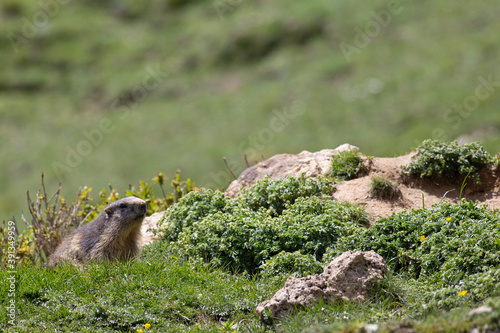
94, 92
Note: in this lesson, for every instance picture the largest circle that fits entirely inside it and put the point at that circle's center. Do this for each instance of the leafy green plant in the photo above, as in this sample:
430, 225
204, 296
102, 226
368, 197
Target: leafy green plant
271, 217
436, 159
229, 327
291, 263
347, 165
275, 196
383, 188
446, 248
423, 242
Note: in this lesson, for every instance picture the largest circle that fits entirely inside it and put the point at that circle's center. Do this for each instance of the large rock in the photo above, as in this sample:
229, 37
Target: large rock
352, 276
284, 165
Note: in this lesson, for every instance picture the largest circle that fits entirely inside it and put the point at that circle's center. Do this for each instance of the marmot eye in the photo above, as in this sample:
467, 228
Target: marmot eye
123, 205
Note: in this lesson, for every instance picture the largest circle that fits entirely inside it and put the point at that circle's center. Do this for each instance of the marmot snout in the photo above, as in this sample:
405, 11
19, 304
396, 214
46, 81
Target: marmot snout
113, 235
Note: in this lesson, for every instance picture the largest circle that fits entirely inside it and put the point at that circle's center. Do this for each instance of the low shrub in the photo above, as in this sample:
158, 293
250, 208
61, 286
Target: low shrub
266, 197
470, 289
450, 239
291, 263
436, 159
273, 216
446, 248
274, 196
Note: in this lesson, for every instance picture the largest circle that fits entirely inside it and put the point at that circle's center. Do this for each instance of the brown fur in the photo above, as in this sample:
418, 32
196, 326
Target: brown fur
113, 235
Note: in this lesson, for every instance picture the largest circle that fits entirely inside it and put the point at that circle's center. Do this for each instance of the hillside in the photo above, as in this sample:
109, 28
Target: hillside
98, 92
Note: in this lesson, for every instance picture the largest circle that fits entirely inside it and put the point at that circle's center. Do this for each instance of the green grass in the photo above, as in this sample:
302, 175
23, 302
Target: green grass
220, 95
168, 294
177, 296
383, 188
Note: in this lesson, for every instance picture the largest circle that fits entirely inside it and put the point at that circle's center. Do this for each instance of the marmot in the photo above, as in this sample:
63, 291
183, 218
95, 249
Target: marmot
114, 235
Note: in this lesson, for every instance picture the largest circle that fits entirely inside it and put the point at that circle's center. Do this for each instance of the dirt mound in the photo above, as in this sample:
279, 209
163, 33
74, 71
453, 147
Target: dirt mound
413, 192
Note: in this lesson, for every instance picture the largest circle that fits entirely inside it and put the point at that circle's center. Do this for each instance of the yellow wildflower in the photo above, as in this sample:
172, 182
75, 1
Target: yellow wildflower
147, 326
422, 238
448, 219
462, 293
139, 331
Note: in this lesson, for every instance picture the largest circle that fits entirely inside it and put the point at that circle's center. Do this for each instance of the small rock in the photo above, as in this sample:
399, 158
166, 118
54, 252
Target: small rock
371, 328
480, 310
351, 276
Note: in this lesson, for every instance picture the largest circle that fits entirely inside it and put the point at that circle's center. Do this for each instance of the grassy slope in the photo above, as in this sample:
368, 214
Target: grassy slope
173, 296
218, 98
170, 296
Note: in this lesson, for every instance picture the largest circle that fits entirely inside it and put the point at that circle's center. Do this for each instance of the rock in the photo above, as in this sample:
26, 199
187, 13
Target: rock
352, 276
149, 224
370, 328
284, 165
480, 310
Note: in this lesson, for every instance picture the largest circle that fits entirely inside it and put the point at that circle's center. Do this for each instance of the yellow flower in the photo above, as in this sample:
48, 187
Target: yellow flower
422, 238
139, 331
462, 293
448, 219
147, 326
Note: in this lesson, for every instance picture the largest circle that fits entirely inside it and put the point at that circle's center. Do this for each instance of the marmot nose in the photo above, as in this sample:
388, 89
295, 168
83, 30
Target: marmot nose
143, 208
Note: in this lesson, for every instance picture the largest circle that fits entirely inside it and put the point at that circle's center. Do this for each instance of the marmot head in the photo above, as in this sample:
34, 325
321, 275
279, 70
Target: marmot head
127, 211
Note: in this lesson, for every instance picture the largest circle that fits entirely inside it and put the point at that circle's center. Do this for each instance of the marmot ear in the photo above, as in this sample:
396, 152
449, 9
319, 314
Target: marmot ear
108, 211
